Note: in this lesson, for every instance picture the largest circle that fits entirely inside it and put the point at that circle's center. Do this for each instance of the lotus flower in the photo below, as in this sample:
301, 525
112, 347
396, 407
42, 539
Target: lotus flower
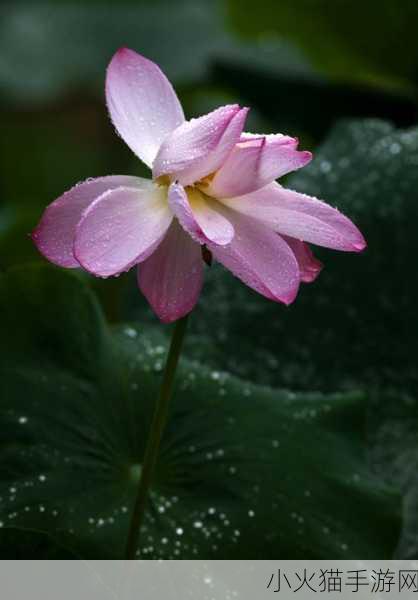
213, 193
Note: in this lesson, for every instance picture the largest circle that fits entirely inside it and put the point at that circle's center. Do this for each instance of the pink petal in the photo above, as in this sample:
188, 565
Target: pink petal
54, 235
309, 266
254, 162
299, 216
198, 217
172, 277
142, 104
199, 147
260, 258
121, 228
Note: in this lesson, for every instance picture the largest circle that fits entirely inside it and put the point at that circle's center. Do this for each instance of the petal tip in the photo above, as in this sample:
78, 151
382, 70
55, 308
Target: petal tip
121, 54
122, 50
125, 52
231, 111
358, 242
289, 298
35, 237
360, 246
312, 274
306, 156
34, 234
242, 111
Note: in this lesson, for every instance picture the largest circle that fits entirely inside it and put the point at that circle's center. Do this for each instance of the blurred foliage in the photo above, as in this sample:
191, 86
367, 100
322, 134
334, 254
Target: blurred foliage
347, 348
308, 104
49, 49
357, 41
68, 44
71, 469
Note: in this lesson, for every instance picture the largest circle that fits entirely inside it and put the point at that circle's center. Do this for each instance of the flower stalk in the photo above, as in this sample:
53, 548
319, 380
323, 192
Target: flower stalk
154, 439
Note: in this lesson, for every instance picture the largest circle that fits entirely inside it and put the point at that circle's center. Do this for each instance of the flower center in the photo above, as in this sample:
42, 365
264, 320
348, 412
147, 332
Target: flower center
204, 183
196, 193
197, 198
163, 180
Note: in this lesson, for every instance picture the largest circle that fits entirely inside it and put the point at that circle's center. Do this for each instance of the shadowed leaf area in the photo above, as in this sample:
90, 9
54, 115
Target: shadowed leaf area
236, 477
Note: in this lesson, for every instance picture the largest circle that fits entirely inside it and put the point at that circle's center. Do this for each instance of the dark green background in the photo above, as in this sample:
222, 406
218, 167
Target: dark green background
293, 431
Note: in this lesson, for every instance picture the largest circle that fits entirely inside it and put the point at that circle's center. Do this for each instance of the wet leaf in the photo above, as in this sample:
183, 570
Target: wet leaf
245, 471
393, 424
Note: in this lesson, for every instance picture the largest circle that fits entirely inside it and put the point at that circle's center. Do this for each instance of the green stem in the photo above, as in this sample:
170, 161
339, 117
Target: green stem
154, 438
